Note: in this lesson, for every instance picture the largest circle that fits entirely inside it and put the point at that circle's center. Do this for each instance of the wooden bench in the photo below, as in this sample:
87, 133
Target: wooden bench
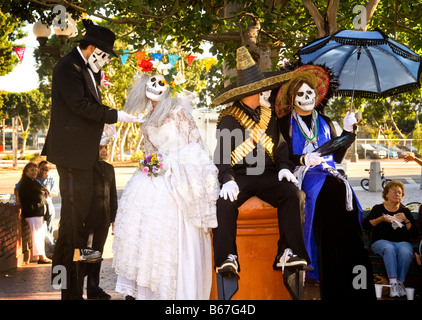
414, 276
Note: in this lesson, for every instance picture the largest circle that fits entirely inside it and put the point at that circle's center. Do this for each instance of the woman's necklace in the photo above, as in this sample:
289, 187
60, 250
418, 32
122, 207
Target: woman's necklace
314, 128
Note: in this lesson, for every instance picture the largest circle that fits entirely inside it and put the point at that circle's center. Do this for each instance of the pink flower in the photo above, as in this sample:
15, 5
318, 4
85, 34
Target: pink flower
160, 164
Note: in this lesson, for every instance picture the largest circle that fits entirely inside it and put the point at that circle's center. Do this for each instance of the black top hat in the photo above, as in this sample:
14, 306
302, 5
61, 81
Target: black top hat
99, 37
250, 80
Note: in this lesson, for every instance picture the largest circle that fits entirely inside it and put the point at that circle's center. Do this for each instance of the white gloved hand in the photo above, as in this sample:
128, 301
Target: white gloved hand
286, 174
141, 118
313, 159
230, 189
349, 121
125, 117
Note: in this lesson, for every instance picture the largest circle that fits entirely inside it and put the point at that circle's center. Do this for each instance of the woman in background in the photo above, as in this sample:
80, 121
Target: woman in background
33, 198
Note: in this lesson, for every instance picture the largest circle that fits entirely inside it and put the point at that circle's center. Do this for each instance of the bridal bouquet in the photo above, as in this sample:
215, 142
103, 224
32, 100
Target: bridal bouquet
152, 164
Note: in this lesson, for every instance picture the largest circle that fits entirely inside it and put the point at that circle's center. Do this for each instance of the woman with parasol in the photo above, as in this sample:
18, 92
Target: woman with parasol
332, 231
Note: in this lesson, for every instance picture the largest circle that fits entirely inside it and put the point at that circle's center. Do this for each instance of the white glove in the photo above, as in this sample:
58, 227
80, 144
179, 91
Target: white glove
286, 174
125, 117
141, 118
349, 121
230, 189
313, 159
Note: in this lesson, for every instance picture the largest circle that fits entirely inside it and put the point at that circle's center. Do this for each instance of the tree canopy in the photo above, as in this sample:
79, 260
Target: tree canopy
271, 29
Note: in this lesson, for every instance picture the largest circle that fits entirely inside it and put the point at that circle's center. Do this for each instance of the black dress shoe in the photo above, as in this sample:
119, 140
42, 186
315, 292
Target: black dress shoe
99, 295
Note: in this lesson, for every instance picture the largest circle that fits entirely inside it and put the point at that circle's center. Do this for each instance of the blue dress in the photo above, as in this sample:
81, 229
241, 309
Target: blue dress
332, 233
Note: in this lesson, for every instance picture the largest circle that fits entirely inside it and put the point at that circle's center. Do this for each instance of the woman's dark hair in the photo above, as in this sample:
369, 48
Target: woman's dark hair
28, 165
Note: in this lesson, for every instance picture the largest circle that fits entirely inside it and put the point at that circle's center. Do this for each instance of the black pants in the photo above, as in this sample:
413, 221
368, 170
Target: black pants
283, 195
92, 270
76, 190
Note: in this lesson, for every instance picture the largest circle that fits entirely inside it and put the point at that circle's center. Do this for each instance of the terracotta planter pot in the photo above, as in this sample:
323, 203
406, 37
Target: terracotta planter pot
257, 236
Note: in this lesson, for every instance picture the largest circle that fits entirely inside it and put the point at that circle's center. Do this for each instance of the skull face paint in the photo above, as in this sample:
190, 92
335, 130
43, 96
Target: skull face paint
97, 60
264, 98
305, 98
156, 87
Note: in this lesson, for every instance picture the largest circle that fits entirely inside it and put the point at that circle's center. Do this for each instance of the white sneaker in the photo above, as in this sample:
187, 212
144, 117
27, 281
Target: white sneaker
394, 290
229, 267
402, 290
288, 259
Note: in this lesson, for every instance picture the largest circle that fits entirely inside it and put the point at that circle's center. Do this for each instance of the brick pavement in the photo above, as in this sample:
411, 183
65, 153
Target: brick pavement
32, 281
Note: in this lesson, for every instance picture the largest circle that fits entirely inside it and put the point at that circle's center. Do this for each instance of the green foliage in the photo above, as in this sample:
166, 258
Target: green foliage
10, 31
182, 27
417, 137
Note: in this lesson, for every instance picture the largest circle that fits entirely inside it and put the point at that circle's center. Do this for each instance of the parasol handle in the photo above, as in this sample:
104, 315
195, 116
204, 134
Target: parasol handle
354, 79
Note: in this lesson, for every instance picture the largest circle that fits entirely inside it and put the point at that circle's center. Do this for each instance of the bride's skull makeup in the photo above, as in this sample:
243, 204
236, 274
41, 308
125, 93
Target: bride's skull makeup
97, 60
156, 87
305, 98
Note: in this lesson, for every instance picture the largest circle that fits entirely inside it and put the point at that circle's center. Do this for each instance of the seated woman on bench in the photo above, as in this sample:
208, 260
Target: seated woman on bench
393, 226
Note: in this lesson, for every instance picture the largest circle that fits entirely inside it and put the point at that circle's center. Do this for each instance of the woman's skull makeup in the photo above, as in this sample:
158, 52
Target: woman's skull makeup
97, 60
156, 87
305, 98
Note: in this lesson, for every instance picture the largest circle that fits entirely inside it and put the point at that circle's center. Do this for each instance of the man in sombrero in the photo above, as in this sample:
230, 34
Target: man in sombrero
332, 230
253, 160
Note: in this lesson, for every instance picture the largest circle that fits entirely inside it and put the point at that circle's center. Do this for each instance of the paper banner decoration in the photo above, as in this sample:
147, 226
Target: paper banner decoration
20, 51
139, 56
157, 56
123, 57
172, 59
208, 63
190, 59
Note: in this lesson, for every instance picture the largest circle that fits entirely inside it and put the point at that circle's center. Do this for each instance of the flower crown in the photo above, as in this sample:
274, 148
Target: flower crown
172, 77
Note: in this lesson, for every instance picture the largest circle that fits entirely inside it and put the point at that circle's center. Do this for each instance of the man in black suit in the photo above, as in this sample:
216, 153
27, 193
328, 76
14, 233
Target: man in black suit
102, 214
77, 121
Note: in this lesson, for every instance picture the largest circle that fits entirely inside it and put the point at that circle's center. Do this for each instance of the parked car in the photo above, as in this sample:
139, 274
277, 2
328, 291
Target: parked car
401, 153
366, 151
410, 149
391, 153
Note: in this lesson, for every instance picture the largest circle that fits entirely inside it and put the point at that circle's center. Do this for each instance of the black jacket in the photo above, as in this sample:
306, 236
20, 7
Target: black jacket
222, 155
77, 115
104, 202
31, 197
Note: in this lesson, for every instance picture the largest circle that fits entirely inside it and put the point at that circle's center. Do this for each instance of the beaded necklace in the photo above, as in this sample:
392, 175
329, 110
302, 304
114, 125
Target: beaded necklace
315, 121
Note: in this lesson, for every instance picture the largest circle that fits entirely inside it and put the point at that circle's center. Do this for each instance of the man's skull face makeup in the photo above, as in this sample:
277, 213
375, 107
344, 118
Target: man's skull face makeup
156, 87
97, 59
264, 98
305, 98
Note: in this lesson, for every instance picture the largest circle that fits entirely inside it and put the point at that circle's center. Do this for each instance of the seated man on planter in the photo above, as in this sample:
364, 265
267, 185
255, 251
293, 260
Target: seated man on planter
253, 160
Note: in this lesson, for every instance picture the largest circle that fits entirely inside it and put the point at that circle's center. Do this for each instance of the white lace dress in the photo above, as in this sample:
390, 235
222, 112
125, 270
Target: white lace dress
162, 245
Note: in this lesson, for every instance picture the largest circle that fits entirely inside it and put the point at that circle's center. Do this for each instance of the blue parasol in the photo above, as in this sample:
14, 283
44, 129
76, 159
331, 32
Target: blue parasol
367, 63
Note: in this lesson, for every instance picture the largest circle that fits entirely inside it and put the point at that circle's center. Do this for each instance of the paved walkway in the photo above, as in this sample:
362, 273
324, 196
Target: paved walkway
32, 281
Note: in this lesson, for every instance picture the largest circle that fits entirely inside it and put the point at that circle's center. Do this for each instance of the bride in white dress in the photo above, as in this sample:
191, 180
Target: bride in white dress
162, 246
